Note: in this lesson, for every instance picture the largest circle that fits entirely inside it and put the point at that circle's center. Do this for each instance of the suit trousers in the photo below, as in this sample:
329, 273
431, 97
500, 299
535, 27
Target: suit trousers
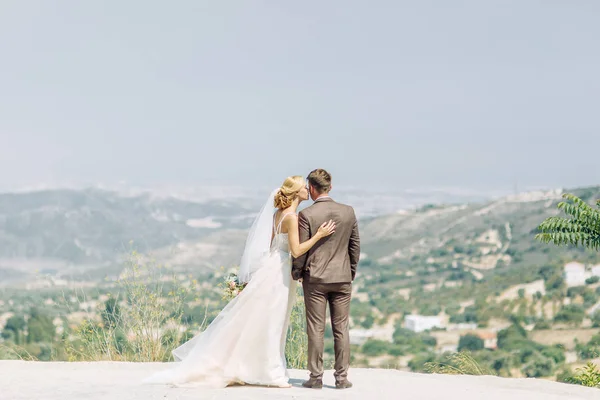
316, 297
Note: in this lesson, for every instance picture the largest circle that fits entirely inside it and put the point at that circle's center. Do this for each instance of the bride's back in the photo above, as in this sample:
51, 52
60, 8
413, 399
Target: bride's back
280, 238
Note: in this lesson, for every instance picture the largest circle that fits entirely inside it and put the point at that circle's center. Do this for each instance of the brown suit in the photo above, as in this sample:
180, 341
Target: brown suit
327, 271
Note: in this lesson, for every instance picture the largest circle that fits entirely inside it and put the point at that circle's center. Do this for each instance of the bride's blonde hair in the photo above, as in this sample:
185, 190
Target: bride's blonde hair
288, 191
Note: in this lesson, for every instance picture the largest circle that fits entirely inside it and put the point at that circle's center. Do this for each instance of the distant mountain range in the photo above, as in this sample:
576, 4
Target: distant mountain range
94, 228
367, 202
87, 232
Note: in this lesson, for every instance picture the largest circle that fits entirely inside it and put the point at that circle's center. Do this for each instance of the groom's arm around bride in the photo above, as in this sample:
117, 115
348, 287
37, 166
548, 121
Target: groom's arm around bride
327, 272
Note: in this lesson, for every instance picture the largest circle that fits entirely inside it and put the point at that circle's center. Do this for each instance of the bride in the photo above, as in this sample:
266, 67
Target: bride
245, 343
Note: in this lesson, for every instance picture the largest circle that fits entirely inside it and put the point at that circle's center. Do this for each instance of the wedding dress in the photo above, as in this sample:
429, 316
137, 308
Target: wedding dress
246, 341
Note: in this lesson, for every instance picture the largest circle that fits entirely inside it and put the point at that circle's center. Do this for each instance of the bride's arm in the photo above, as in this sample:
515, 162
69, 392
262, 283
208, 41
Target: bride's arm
297, 248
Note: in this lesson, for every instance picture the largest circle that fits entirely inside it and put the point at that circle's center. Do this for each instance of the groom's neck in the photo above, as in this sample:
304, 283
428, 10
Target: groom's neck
322, 196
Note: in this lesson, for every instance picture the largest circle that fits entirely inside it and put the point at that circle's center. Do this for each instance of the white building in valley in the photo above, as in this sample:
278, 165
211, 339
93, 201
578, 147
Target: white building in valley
575, 274
360, 336
490, 339
420, 323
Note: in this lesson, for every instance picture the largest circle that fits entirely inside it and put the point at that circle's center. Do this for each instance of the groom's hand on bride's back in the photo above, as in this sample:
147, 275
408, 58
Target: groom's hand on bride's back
297, 274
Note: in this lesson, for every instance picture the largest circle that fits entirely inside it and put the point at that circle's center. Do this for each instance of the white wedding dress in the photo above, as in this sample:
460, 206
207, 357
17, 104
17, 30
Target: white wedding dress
246, 341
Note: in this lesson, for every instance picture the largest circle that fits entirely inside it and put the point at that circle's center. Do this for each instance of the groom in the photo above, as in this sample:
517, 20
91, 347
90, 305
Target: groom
327, 272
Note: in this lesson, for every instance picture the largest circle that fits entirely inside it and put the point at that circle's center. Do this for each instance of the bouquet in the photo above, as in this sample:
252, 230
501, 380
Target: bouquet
232, 286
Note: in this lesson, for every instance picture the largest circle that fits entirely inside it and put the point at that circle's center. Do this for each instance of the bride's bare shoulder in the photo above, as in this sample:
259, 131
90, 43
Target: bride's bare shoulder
291, 216
280, 216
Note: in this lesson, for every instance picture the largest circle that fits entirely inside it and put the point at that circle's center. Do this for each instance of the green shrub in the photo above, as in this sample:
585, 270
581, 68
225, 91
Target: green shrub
511, 337
565, 376
542, 325
470, 342
14, 330
374, 347
556, 353
587, 376
396, 351
596, 319
591, 280
539, 366
418, 363
412, 343
572, 314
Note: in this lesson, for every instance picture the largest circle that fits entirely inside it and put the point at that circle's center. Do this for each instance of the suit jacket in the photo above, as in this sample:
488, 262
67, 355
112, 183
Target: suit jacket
334, 258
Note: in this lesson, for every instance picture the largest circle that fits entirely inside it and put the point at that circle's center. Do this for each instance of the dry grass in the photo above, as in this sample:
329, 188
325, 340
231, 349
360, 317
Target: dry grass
296, 346
143, 324
15, 352
458, 364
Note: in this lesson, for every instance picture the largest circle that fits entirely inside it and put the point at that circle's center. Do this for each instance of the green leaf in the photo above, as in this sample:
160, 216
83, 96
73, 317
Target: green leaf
581, 227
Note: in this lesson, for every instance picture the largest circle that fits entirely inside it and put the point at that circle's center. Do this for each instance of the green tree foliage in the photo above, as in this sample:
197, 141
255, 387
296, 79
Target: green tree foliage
501, 362
587, 376
512, 337
40, 328
14, 329
373, 347
419, 362
539, 366
591, 280
565, 376
572, 314
589, 298
468, 316
581, 227
596, 319
368, 322
409, 342
556, 353
548, 271
111, 313
573, 292
542, 325
555, 282
470, 342
589, 350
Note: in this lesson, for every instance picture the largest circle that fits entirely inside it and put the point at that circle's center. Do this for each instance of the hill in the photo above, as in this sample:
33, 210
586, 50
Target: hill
484, 247
79, 233
472, 270
75, 233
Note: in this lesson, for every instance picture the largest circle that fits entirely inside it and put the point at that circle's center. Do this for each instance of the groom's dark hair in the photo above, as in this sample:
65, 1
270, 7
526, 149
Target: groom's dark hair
320, 180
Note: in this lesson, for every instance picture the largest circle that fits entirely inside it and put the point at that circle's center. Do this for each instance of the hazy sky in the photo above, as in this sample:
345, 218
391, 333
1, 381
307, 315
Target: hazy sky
388, 93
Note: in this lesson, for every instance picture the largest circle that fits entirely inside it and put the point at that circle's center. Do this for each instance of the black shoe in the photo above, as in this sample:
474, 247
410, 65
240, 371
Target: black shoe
313, 384
343, 384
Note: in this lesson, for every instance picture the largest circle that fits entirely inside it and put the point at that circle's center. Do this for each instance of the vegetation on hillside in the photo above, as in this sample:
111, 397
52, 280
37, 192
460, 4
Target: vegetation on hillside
477, 266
